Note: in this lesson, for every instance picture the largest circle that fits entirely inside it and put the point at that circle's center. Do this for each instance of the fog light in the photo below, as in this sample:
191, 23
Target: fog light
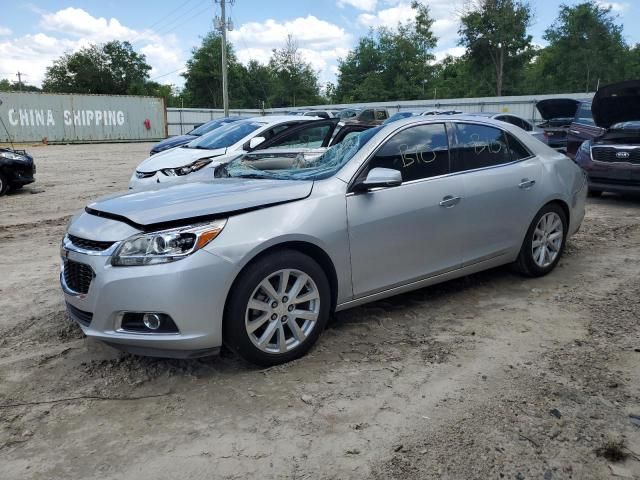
142, 322
152, 321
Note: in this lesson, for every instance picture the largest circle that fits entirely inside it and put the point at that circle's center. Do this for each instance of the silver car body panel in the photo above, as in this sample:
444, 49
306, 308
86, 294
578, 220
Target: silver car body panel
379, 243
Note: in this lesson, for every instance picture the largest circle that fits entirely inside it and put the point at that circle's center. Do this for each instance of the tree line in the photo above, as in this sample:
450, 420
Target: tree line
585, 48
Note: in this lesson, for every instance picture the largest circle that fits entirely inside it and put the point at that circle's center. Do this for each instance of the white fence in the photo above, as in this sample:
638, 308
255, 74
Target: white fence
181, 120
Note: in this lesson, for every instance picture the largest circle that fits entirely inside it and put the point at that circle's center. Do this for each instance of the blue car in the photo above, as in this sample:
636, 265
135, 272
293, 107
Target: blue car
200, 130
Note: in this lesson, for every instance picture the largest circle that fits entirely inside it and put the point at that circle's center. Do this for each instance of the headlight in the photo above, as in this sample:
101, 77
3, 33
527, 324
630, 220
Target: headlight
186, 170
165, 246
586, 147
13, 156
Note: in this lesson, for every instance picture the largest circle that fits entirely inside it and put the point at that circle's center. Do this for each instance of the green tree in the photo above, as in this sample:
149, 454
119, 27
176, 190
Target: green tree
494, 33
390, 64
7, 86
111, 68
296, 83
586, 47
203, 78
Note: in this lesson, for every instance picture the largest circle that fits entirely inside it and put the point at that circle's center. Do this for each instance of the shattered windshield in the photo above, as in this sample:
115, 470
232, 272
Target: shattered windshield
299, 167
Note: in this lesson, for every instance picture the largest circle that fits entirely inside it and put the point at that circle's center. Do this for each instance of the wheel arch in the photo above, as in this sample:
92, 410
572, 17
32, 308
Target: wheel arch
307, 248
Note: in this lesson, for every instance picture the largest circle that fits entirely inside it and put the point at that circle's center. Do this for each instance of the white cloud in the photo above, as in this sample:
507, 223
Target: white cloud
320, 42
618, 7
5, 31
366, 5
70, 29
453, 51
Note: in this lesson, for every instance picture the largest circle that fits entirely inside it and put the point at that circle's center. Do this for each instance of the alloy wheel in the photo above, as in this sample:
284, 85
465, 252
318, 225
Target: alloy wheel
282, 311
547, 239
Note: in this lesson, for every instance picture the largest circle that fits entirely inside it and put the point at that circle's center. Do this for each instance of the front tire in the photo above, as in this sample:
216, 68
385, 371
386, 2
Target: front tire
544, 242
277, 309
4, 185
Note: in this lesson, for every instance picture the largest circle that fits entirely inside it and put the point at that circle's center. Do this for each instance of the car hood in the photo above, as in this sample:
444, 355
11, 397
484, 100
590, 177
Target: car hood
557, 108
173, 142
187, 202
616, 103
176, 157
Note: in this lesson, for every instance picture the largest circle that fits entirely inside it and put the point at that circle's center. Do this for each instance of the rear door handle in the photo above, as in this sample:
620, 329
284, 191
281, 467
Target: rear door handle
526, 183
574, 132
450, 201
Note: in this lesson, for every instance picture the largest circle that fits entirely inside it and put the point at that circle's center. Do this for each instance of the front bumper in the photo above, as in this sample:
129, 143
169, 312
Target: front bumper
192, 291
618, 177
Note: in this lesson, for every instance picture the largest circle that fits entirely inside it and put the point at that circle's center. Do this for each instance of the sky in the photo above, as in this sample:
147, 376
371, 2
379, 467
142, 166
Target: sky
33, 34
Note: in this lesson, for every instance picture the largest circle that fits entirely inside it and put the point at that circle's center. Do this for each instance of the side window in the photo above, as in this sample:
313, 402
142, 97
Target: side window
526, 126
516, 149
381, 115
418, 152
310, 137
272, 132
366, 116
479, 146
584, 114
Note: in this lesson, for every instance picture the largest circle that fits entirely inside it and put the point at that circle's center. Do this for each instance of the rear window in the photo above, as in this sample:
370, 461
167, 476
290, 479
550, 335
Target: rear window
226, 136
584, 115
479, 146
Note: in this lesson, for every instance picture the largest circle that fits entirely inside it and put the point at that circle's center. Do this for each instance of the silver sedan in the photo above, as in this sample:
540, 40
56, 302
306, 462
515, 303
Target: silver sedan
259, 259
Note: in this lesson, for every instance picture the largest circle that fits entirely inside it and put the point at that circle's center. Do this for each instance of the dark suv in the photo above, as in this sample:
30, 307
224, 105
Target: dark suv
609, 150
558, 114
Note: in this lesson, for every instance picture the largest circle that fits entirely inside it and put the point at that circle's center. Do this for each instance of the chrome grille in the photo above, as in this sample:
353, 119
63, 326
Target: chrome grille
612, 155
93, 245
77, 276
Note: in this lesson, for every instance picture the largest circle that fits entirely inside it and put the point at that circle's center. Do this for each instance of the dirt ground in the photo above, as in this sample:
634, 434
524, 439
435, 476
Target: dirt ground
489, 376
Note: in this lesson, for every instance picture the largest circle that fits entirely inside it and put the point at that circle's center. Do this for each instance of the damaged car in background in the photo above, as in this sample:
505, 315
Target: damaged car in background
17, 169
611, 154
307, 138
558, 114
259, 259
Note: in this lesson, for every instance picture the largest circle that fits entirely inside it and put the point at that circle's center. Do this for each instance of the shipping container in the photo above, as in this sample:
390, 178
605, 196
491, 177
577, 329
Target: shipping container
61, 118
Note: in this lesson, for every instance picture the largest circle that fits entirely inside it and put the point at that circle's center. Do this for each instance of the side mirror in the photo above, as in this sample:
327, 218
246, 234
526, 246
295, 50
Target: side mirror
255, 141
380, 178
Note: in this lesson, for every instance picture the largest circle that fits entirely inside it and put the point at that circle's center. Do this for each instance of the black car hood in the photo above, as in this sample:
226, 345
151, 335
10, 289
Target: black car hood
197, 201
172, 142
616, 103
557, 108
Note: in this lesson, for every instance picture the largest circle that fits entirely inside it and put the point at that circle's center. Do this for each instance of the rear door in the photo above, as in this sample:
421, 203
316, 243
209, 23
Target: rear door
501, 184
583, 128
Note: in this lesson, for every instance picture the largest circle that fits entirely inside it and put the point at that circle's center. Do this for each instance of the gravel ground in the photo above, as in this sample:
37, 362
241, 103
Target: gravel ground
488, 376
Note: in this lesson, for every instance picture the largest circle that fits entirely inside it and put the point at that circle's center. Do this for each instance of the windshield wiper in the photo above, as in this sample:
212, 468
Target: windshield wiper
250, 175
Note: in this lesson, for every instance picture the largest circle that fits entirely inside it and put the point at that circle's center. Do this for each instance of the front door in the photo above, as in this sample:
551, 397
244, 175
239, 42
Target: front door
412, 231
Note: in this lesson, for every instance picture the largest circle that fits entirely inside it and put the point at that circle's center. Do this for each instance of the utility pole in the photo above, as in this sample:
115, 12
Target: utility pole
19, 75
222, 23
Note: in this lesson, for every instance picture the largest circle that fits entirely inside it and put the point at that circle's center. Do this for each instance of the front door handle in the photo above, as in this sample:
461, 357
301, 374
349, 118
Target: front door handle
526, 183
574, 132
450, 201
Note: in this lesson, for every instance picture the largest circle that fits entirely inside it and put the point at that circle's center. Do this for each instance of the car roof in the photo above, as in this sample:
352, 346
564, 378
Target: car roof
274, 119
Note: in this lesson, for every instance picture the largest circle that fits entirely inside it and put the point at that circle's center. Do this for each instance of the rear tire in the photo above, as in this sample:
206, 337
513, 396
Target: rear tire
4, 185
277, 308
544, 242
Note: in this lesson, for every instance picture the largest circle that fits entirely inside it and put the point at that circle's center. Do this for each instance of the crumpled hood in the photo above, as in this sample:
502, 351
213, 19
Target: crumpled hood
616, 103
172, 142
557, 108
177, 157
193, 200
